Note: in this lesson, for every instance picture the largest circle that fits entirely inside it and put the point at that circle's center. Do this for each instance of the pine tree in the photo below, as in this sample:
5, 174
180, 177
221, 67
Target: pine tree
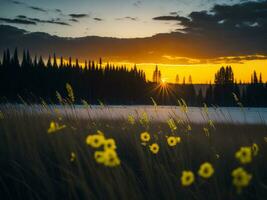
55, 61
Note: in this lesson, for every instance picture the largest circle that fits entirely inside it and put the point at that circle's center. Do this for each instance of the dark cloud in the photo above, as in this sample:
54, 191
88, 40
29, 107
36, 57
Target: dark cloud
22, 19
17, 2
78, 15
52, 21
37, 9
223, 30
161, 48
17, 21
98, 19
172, 18
127, 18
58, 10
21, 16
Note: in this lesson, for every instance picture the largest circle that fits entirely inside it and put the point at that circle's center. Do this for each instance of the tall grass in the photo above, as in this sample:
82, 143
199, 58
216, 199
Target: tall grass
38, 165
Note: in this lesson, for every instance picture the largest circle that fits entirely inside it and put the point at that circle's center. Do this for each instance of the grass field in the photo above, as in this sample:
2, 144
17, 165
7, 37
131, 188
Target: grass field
44, 160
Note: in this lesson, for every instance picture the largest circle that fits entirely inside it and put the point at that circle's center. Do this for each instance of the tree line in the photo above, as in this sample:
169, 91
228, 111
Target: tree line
34, 80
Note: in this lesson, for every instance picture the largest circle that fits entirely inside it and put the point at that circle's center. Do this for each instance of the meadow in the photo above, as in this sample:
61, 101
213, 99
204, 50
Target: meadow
47, 155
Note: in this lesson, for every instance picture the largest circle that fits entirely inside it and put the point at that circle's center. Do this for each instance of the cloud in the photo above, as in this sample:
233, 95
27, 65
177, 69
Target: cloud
52, 21
172, 18
18, 2
37, 9
58, 10
98, 19
127, 18
22, 19
178, 48
21, 16
17, 21
78, 15
222, 30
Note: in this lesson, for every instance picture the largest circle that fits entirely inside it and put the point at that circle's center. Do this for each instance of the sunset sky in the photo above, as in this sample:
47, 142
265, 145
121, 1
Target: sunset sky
182, 36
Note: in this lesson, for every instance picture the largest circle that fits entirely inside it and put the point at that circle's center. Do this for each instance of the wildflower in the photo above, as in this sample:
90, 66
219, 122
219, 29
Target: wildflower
211, 124
235, 97
187, 178
244, 155
206, 170
154, 148
72, 156
70, 92
144, 119
95, 141
241, 178
145, 137
189, 128
59, 97
55, 127
109, 144
205, 108
171, 124
255, 149
111, 158
172, 141
100, 132
206, 131
85, 103
131, 119
99, 156
183, 105
154, 102
178, 139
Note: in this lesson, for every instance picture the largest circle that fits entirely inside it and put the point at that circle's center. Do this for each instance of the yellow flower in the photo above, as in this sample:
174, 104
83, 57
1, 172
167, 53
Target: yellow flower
55, 127
241, 178
95, 141
72, 156
211, 124
99, 156
206, 131
244, 155
189, 128
154, 148
100, 132
178, 139
187, 178
172, 141
144, 119
131, 119
255, 149
111, 158
109, 144
52, 125
145, 137
171, 124
206, 170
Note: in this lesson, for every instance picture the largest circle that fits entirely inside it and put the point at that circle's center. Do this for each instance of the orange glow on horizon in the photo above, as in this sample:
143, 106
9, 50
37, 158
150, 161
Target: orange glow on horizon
201, 73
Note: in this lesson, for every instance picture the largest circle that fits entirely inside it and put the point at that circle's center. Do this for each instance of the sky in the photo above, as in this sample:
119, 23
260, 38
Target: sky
181, 36
113, 18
